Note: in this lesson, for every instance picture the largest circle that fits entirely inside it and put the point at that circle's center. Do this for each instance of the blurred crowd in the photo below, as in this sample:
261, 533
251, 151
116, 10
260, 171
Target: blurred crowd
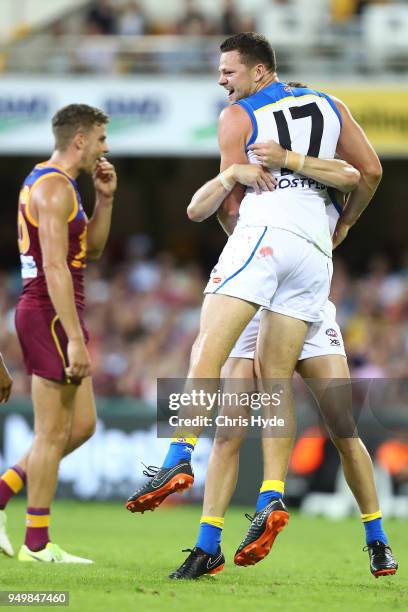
129, 17
121, 36
143, 316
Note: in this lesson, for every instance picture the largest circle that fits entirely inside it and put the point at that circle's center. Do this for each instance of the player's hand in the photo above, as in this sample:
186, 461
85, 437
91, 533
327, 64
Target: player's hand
6, 382
254, 175
78, 358
340, 233
269, 153
104, 177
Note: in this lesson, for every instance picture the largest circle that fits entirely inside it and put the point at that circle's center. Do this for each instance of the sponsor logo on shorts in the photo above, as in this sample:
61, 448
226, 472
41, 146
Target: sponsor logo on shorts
334, 342
331, 332
265, 251
216, 279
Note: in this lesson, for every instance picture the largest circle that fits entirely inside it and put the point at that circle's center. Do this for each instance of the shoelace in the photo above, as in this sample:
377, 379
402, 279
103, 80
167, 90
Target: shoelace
192, 552
150, 471
376, 545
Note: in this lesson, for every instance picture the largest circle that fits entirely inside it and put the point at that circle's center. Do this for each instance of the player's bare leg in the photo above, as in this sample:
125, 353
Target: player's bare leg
335, 402
222, 470
83, 420
223, 318
336, 407
280, 341
54, 406
53, 413
221, 479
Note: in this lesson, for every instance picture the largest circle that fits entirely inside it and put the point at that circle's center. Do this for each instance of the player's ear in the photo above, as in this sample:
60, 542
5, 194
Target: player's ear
79, 140
260, 71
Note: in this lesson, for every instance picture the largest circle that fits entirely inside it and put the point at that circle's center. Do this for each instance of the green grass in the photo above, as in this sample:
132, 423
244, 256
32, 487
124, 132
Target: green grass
315, 564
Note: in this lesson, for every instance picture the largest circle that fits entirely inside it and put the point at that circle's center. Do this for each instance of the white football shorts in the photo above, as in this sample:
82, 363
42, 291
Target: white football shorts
322, 338
276, 269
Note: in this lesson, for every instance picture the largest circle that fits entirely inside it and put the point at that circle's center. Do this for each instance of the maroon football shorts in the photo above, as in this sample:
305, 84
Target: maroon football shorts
44, 342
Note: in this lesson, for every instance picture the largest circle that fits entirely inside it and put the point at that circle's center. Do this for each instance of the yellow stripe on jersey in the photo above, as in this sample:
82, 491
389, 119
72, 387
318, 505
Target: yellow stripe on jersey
287, 98
37, 182
46, 164
23, 234
13, 480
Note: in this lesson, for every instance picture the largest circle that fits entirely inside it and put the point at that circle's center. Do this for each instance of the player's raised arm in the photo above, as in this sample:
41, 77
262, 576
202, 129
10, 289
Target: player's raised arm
354, 147
335, 173
99, 225
52, 199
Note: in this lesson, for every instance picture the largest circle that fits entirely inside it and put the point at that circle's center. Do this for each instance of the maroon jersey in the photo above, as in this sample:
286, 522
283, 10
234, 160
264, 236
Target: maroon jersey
35, 293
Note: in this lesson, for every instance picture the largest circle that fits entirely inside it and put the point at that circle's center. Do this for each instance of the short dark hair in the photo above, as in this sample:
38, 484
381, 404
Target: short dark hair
297, 84
75, 118
254, 48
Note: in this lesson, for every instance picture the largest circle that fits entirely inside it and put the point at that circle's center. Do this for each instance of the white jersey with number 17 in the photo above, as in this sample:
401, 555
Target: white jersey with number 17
301, 120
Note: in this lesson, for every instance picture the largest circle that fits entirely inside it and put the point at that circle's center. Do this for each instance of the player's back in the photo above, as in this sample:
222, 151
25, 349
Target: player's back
301, 120
35, 293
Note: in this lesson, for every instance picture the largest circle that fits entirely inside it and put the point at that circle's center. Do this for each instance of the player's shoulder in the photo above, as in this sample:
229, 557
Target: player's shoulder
233, 120
53, 191
232, 112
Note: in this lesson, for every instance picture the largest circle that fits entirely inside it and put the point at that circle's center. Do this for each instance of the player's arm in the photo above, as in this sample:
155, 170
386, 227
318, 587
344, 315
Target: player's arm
53, 201
211, 195
234, 131
335, 173
354, 147
6, 382
99, 225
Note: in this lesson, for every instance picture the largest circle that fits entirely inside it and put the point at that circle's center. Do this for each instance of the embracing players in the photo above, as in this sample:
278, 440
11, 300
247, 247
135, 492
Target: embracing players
55, 239
291, 227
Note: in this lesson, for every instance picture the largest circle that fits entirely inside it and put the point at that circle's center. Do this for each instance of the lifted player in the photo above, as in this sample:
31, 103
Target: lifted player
55, 238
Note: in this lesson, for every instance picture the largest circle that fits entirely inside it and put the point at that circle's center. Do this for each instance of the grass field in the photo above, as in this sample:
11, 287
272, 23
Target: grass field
315, 564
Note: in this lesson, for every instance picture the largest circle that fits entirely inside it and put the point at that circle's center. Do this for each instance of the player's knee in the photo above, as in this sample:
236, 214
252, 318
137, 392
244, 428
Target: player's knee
348, 447
206, 358
226, 446
55, 438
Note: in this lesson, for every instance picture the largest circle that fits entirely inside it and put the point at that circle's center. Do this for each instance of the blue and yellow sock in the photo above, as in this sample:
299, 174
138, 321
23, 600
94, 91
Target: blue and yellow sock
373, 527
209, 536
180, 449
270, 489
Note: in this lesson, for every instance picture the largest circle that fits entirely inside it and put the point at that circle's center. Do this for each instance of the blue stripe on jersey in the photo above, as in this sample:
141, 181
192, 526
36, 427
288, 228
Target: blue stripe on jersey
268, 95
334, 107
251, 114
39, 171
332, 194
246, 263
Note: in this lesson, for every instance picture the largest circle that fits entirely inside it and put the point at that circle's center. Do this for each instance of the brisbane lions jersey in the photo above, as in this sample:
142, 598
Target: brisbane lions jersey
35, 293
